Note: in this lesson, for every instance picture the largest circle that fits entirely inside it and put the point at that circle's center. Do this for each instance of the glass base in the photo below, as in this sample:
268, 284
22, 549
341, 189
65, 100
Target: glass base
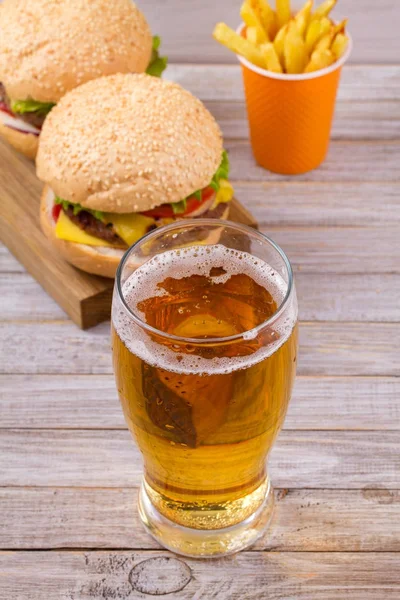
201, 543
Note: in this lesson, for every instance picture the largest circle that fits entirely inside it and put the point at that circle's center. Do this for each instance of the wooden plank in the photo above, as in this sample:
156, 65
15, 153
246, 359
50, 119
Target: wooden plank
84, 297
23, 298
326, 349
309, 204
86, 402
342, 250
250, 575
349, 349
353, 120
362, 298
304, 520
346, 162
224, 82
360, 403
186, 36
300, 459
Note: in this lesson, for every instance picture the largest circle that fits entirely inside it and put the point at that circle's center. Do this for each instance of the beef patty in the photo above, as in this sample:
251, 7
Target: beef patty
105, 231
86, 221
32, 118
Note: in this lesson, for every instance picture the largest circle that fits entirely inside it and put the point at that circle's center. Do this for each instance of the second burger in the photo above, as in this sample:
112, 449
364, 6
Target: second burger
122, 155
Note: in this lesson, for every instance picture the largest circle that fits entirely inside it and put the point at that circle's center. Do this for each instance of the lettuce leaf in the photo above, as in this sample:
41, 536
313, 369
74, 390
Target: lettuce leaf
179, 207
77, 208
158, 63
221, 173
20, 107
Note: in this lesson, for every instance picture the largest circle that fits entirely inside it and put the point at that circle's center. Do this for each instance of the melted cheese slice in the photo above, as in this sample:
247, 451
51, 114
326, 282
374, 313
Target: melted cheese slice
224, 194
130, 227
67, 230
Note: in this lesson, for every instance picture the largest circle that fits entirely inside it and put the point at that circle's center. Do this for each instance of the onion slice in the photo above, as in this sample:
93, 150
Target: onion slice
18, 124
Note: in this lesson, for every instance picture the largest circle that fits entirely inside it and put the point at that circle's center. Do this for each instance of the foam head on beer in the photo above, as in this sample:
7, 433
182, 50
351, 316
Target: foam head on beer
124, 155
204, 292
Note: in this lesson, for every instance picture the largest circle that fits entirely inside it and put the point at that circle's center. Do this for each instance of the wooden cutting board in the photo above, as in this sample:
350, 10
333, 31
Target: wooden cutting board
85, 298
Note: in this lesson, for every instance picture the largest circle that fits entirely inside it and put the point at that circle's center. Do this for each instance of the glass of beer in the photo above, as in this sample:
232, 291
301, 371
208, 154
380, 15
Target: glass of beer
204, 329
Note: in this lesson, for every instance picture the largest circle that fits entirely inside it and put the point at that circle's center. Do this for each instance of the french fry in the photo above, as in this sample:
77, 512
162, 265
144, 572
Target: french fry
316, 30
339, 45
229, 38
326, 41
295, 52
279, 44
267, 16
252, 36
323, 9
283, 12
320, 59
276, 41
272, 62
340, 27
303, 17
251, 19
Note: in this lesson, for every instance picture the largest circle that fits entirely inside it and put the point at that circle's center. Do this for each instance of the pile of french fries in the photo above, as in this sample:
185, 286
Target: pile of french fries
281, 42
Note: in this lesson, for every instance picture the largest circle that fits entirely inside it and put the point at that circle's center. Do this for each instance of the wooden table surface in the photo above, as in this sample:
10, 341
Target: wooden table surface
69, 471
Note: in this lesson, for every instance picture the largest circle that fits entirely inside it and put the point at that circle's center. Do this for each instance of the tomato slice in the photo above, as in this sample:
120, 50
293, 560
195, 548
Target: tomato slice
56, 211
4, 108
192, 203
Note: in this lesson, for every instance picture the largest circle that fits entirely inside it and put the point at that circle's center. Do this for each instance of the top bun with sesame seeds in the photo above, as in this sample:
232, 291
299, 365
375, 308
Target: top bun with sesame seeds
48, 48
128, 143
122, 155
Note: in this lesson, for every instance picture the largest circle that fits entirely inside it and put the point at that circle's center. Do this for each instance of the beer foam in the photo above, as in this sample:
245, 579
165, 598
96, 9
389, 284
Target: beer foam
198, 260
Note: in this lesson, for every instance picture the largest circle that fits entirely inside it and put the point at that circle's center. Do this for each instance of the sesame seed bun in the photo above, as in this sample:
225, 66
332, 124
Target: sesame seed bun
48, 48
98, 260
25, 143
128, 143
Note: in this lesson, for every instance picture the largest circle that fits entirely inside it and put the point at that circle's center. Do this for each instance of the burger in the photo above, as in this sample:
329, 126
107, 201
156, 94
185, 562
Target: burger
48, 47
121, 156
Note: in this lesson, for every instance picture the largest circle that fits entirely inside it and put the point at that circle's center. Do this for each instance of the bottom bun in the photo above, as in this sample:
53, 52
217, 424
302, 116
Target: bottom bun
26, 143
98, 260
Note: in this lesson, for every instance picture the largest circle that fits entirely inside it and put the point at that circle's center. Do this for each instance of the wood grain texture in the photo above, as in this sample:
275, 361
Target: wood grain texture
362, 298
300, 459
304, 520
8, 263
354, 120
224, 82
347, 161
339, 250
251, 575
85, 298
325, 349
187, 37
315, 204
86, 402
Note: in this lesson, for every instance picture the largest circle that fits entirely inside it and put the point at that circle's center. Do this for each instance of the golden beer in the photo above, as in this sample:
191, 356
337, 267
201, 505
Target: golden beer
204, 368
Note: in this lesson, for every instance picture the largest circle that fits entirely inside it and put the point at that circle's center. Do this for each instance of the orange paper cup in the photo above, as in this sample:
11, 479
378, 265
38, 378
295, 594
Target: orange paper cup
290, 116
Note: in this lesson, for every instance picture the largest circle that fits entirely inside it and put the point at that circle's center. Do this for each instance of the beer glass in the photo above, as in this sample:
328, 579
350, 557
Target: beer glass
204, 330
